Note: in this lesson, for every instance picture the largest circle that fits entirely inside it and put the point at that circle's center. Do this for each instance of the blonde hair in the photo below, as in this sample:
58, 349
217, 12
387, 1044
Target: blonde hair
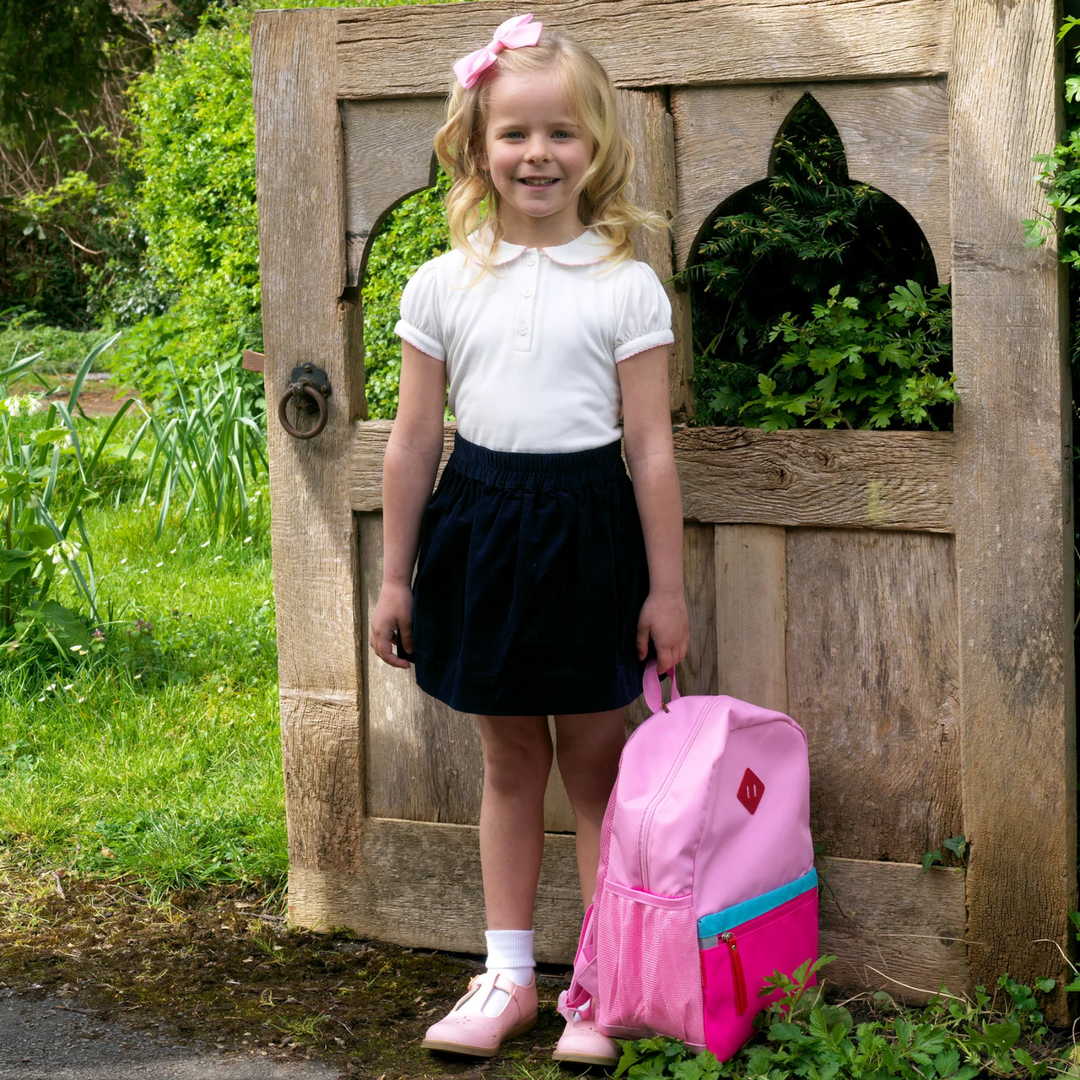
472, 200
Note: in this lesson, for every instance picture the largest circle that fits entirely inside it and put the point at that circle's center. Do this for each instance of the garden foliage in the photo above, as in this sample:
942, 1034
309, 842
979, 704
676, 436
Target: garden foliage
814, 299
803, 1037
208, 446
47, 476
415, 232
193, 153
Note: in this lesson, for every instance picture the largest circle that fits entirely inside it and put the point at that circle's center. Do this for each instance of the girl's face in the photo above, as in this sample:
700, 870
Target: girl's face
537, 152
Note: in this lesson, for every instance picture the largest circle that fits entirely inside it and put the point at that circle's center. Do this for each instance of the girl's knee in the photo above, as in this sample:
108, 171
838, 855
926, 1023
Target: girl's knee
517, 753
588, 752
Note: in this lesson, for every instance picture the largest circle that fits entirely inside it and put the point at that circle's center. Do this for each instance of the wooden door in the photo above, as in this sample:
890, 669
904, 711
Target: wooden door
905, 596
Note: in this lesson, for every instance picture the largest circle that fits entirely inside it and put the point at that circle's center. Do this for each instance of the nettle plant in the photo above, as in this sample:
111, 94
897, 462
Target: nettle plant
803, 1036
815, 300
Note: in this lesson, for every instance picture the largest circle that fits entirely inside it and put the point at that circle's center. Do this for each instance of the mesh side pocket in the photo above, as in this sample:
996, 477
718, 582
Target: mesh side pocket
648, 965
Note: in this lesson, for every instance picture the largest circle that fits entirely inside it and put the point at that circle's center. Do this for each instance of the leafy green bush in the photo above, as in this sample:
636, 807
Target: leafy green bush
861, 371
415, 232
194, 150
194, 153
768, 265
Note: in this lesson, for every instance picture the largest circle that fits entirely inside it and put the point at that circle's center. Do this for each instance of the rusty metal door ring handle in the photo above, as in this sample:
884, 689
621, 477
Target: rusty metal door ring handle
311, 398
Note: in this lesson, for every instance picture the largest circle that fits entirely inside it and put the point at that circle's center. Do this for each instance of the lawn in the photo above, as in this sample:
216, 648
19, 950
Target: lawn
158, 759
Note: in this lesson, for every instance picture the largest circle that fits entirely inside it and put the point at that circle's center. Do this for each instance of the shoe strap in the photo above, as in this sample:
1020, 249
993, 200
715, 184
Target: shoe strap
496, 982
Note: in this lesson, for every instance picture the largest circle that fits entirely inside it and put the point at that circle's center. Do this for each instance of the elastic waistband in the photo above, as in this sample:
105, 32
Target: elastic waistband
504, 468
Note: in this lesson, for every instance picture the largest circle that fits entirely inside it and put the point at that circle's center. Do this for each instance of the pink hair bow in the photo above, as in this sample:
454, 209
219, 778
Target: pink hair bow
515, 33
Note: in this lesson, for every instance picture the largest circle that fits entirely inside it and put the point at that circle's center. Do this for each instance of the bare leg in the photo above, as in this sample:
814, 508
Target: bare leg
588, 747
517, 760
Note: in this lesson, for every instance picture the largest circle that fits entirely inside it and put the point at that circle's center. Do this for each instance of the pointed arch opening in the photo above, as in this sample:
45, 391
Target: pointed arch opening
405, 236
815, 299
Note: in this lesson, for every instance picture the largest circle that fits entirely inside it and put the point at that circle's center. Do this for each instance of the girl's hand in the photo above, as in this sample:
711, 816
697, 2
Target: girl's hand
393, 612
663, 618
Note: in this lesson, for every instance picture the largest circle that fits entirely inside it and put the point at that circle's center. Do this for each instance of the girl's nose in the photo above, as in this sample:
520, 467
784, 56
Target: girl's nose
536, 149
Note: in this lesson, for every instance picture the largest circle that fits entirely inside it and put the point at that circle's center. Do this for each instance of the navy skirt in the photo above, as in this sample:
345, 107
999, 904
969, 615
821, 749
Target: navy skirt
529, 583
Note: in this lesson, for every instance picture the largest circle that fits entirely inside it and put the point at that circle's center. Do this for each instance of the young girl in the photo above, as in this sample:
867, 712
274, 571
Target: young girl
543, 571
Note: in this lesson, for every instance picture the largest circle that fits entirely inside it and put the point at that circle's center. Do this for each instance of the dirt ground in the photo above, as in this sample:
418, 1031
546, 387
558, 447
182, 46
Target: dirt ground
225, 970
98, 396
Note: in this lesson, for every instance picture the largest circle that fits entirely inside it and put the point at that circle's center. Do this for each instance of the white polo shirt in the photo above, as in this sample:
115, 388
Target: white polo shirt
531, 347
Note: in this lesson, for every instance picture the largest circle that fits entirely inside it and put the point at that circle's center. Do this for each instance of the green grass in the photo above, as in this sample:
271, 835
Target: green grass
64, 350
158, 758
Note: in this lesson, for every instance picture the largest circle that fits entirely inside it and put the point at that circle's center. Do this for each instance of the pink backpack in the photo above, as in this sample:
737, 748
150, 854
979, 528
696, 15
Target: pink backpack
706, 883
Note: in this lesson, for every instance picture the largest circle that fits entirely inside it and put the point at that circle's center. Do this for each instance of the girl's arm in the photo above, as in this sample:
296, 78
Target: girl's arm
650, 454
409, 468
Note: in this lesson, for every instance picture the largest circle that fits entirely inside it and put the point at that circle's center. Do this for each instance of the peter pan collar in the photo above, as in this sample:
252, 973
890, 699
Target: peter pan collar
583, 250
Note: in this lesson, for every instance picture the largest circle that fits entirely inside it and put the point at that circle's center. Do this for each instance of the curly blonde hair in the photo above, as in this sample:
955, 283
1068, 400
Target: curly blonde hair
472, 200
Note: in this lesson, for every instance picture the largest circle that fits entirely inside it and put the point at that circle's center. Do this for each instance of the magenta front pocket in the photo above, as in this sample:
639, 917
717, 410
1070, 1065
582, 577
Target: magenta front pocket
648, 965
737, 958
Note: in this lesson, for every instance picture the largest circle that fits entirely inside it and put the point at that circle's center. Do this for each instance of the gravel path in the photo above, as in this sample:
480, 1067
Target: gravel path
54, 1040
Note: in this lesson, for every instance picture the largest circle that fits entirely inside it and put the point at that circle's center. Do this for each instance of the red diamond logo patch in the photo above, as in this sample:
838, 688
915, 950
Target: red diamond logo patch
750, 790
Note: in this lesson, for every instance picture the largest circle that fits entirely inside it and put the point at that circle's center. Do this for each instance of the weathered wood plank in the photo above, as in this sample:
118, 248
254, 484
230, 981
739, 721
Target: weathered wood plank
872, 676
413, 869
649, 129
896, 138
1013, 541
751, 613
388, 156
835, 479
409, 52
324, 800
302, 263
724, 138
423, 758
697, 673
891, 927
895, 135
876, 917
558, 813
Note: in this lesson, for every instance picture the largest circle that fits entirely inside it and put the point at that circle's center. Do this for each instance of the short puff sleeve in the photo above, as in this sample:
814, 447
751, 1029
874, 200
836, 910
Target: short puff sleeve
644, 313
421, 313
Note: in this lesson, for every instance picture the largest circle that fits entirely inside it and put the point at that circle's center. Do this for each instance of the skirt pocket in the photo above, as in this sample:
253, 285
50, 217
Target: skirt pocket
736, 961
648, 965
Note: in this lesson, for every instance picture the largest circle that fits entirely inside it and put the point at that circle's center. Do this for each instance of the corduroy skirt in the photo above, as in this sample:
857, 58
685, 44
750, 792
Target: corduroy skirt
529, 583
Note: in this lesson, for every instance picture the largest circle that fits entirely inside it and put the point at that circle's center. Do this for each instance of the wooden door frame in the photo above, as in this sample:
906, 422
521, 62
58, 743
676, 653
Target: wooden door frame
1001, 480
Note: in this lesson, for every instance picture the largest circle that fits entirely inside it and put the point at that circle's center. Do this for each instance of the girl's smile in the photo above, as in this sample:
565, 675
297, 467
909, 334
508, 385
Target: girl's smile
537, 153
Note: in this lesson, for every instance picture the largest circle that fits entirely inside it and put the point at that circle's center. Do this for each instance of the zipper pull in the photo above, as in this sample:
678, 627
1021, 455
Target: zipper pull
728, 938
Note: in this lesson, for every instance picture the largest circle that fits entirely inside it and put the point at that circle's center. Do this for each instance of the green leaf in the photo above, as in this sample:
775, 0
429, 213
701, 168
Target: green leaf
38, 535
51, 435
1046, 984
958, 845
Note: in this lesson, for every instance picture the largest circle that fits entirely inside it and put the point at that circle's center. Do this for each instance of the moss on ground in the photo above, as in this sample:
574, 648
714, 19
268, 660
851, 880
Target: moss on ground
223, 969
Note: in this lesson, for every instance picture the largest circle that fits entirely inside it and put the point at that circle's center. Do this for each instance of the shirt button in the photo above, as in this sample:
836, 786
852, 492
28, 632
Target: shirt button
526, 292
531, 260
522, 329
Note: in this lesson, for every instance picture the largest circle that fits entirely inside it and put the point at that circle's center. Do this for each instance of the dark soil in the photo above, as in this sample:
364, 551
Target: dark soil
225, 970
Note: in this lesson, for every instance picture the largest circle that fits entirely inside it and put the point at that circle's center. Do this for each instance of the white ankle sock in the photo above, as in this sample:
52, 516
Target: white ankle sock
510, 953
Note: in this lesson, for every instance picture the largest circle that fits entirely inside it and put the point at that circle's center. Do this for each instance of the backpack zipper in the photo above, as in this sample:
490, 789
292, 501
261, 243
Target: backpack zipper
728, 938
650, 813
